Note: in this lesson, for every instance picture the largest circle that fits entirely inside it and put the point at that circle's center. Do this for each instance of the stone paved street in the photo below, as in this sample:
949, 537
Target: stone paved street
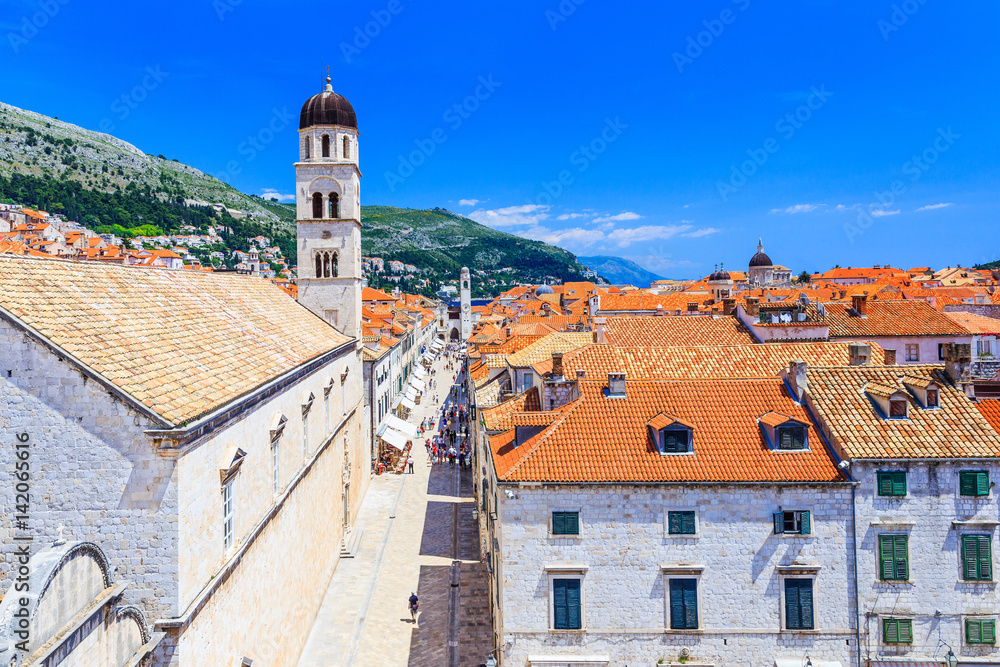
409, 544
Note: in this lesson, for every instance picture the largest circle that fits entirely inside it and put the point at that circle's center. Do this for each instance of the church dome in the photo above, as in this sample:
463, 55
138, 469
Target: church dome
327, 108
544, 289
720, 275
760, 259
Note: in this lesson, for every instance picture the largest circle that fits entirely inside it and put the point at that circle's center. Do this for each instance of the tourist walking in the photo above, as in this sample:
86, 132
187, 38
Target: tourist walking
409, 464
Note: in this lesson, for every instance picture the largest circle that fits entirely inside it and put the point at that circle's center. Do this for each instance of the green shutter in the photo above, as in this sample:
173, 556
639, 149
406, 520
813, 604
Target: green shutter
674, 523
970, 557
973, 632
892, 483
885, 484
901, 557
676, 605
806, 604
805, 524
973, 483
982, 484
558, 523
687, 523
683, 604
690, 604
560, 611
779, 522
573, 604
906, 631
793, 616
890, 631
893, 557
989, 632
985, 558
885, 548
573, 523
565, 523
899, 483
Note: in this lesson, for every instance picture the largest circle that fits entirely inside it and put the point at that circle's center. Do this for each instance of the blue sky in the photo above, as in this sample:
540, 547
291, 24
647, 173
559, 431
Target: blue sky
672, 134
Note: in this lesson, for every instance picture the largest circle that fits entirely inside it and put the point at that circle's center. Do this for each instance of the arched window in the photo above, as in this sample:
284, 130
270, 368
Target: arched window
317, 206
326, 145
319, 265
307, 142
333, 273
326, 265
334, 206
347, 148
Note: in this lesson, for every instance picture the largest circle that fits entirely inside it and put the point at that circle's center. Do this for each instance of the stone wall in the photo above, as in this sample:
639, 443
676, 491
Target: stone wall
986, 310
623, 544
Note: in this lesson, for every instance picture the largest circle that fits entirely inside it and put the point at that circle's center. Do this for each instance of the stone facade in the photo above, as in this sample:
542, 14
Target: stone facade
625, 558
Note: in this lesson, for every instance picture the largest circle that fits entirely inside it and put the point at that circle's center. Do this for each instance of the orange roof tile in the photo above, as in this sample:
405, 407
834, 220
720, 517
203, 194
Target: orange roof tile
888, 319
990, 410
978, 325
673, 330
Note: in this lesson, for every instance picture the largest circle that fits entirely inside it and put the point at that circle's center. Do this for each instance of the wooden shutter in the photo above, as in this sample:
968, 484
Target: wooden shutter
973, 632
806, 603
967, 483
793, 616
898, 483
558, 523
982, 484
970, 557
884, 484
779, 522
687, 523
989, 632
890, 631
559, 606
573, 604
676, 605
985, 558
572, 523
905, 631
900, 557
690, 604
805, 523
674, 523
887, 556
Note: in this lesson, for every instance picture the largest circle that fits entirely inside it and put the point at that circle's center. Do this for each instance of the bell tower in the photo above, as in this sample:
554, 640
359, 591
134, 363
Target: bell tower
328, 211
466, 302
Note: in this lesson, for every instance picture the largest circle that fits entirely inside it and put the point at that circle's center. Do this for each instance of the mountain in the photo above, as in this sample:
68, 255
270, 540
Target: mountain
113, 187
619, 271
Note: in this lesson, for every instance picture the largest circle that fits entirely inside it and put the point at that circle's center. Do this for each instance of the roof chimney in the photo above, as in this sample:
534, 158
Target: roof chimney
581, 374
958, 362
616, 385
659, 309
557, 367
508, 332
601, 334
860, 304
797, 379
728, 306
860, 353
752, 306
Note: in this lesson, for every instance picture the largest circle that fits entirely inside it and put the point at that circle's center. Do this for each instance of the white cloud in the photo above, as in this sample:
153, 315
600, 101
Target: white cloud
468, 202
797, 208
271, 193
627, 215
698, 233
931, 207
881, 213
626, 237
511, 216
570, 216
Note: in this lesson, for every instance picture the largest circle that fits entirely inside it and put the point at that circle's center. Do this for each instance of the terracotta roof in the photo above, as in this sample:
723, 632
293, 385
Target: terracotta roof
956, 430
735, 361
488, 394
182, 343
890, 318
533, 418
545, 347
775, 419
991, 411
372, 294
500, 417
602, 440
883, 390
662, 420
978, 325
672, 331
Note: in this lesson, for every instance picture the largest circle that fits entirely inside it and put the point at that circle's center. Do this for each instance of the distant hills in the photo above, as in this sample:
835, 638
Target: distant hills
619, 271
111, 186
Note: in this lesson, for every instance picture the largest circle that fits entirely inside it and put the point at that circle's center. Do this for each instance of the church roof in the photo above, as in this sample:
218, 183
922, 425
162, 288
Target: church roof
327, 108
180, 343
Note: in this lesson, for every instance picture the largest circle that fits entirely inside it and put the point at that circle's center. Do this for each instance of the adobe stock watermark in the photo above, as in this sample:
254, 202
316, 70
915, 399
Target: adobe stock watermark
581, 158
900, 14
223, 7
787, 126
363, 36
30, 25
915, 167
124, 105
250, 147
455, 116
562, 12
714, 28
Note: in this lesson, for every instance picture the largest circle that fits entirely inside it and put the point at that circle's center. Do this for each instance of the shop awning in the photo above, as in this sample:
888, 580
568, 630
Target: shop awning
419, 372
417, 384
394, 438
401, 425
407, 403
410, 393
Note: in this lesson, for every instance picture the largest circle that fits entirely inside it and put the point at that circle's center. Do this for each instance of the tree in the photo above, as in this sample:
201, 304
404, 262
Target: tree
804, 277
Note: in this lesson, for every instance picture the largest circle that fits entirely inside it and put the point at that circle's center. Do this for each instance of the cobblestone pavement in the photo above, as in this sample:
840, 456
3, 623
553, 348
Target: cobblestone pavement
410, 543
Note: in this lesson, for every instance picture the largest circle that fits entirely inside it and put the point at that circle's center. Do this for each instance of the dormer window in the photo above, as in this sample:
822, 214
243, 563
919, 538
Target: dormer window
925, 390
932, 398
676, 441
897, 408
792, 437
893, 402
671, 435
784, 433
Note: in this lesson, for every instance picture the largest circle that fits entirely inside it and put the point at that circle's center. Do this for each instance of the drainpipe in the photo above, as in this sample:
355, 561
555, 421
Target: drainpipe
857, 597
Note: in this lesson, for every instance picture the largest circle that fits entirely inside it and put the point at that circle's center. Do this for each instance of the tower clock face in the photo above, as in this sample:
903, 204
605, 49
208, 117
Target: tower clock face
465, 307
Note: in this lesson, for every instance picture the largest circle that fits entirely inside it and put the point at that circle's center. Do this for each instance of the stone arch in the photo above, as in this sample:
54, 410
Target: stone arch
347, 147
306, 146
317, 204
326, 145
334, 206
454, 334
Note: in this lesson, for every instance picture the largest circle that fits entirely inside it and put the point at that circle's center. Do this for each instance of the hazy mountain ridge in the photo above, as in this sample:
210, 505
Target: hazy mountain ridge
619, 271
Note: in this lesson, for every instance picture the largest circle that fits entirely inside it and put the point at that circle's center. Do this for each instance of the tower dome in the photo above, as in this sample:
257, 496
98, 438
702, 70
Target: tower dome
719, 275
327, 108
760, 259
544, 289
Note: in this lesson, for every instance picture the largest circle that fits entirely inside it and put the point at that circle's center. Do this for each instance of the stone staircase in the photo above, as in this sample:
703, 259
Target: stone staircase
351, 543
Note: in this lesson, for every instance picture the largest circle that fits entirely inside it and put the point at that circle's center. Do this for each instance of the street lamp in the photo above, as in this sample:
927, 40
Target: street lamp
950, 659
491, 661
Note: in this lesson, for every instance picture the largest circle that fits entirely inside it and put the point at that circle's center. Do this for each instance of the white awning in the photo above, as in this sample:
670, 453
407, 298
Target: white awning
403, 426
407, 403
394, 438
419, 372
410, 393
417, 384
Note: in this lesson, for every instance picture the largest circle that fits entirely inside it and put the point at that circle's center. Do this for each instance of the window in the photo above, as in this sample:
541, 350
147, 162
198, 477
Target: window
897, 630
334, 206
940, 351
319, 266
566, 604
897, 408
681, 523
305, 432
792, 437
565, 523
275, 477
913, 353
977, 561
676, 440
892, 483
227, 515
893, 558
347, 148
793, 522
529, 381
983, 347
326, 145
683, 604
932, 398
974, 483
317, 206
980, 631
799, 604
307, 142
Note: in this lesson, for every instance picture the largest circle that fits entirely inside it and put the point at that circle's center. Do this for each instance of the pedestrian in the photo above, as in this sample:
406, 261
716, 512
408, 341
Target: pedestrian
409, 464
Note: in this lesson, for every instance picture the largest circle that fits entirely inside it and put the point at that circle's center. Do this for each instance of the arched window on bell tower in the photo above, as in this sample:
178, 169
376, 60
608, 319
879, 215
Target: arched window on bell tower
308, 140
319, 266
326, 145
317, 206
347, 148
334, 268
334, 206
